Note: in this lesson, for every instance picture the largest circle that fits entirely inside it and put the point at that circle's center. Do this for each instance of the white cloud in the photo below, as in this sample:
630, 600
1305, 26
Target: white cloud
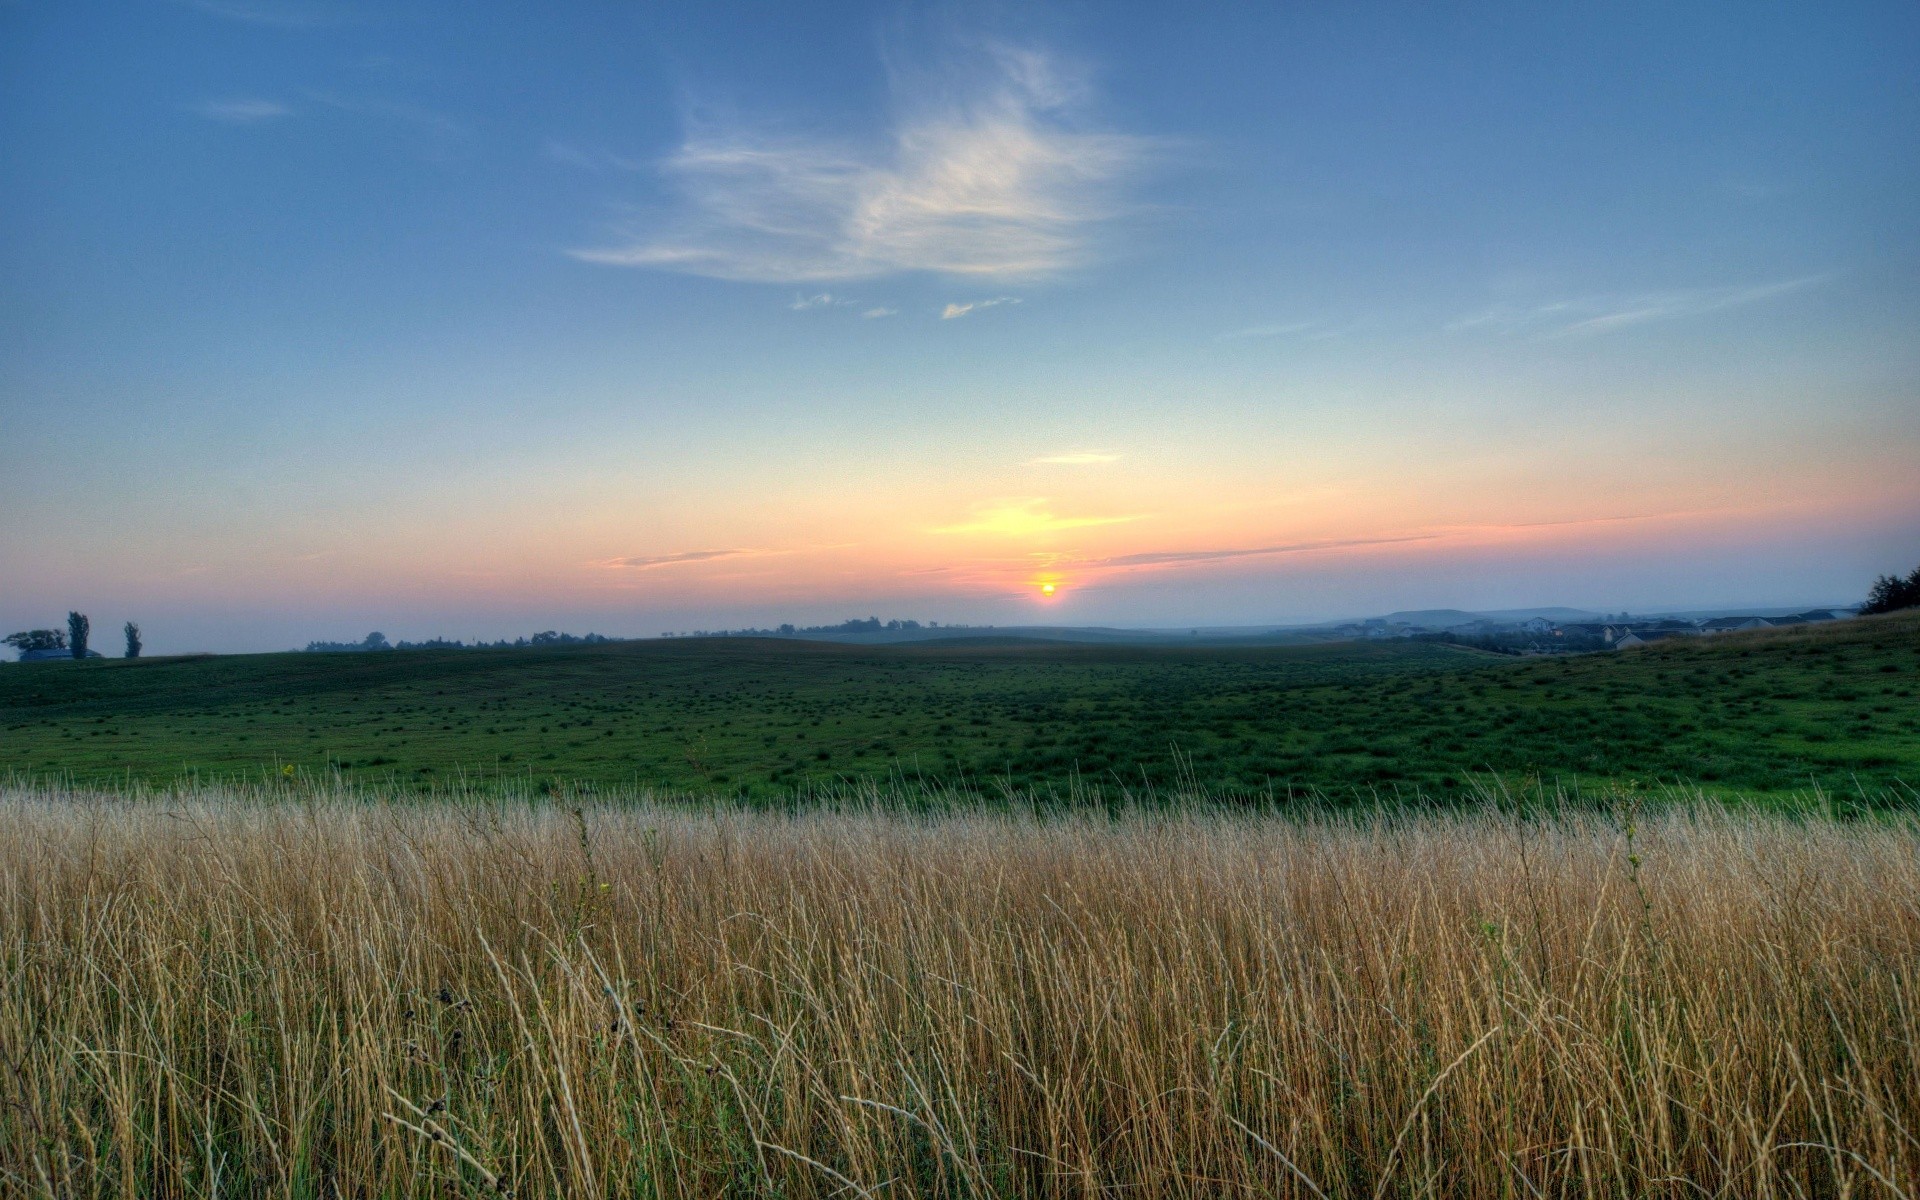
820, 300
241, 112
960, 310
992, 174
1590, 315
1078, 458
873, 313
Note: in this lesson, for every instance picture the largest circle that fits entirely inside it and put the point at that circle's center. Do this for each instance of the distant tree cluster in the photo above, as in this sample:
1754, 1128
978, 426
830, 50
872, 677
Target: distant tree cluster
1890, 593
1497, 643
376, 641
856, 625
373, 641
72, 639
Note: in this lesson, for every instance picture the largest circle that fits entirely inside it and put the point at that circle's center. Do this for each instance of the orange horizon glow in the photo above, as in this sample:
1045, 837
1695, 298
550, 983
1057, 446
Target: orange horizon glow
1099, 553
882, 560
1101, 547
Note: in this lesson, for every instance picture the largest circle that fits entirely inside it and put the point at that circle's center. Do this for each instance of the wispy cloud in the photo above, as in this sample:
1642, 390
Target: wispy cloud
1025, 517
1605, 519
649, 562
952, 311
873, 314
241, 112
436, 125
1666, 306
1163, 558
993, 173
1288, 329
1077, 458
1587, 316
1177, 558
283, 14
818, 300
590, 158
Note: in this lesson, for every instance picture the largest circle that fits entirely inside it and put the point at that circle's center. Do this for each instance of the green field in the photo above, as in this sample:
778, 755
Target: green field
1769, 712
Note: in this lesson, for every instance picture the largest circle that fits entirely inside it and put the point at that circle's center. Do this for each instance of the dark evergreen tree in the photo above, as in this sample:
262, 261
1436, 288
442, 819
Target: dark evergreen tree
133, 640
77, 628
1890, 593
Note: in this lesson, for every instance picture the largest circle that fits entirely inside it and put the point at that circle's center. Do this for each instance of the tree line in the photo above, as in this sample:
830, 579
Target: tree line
852, 625
377, 641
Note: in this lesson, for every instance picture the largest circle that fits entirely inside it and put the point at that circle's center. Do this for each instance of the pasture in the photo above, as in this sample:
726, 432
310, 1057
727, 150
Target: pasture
1769, 713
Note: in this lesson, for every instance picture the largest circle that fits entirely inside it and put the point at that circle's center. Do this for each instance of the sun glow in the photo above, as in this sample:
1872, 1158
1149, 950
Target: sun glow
1047, 589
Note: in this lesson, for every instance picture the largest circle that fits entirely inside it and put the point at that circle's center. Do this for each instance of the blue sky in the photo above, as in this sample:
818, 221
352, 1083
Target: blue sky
473, 319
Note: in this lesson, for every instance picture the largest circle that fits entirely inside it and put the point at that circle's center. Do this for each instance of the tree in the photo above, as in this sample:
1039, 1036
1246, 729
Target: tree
1890, 593
77, 629
133, 640
36, 639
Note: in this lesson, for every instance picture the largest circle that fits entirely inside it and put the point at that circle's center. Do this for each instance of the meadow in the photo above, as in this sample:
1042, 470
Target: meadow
1767, 713
297, 991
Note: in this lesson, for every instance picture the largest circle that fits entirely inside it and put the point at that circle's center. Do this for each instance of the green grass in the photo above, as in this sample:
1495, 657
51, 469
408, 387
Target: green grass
1770, 712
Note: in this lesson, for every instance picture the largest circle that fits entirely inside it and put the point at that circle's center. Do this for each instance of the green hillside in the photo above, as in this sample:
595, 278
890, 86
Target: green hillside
1774, 711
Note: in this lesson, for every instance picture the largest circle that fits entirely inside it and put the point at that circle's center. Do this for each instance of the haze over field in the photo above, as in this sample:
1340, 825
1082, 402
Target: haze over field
318, 316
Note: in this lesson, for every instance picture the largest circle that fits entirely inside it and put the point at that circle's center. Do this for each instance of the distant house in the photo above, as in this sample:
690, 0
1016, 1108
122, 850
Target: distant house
1646, 637
1595, 630
1537, 625
53, 655
1474, 629
1734, 624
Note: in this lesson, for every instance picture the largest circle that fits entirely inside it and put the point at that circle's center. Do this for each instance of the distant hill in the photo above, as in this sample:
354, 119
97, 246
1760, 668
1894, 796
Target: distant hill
1444, 618
1432, 618
1556, 615
1707, 614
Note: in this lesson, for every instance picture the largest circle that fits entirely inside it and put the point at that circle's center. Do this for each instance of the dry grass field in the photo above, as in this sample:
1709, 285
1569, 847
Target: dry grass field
303, 994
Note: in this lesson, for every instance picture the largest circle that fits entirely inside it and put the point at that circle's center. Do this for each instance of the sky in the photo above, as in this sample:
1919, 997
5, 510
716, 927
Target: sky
476, 319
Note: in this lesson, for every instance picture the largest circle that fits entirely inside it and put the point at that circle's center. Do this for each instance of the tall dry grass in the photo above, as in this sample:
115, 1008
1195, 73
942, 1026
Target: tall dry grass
307, 995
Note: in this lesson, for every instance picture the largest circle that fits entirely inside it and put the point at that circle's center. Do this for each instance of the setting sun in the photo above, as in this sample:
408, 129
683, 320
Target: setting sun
1047, 589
